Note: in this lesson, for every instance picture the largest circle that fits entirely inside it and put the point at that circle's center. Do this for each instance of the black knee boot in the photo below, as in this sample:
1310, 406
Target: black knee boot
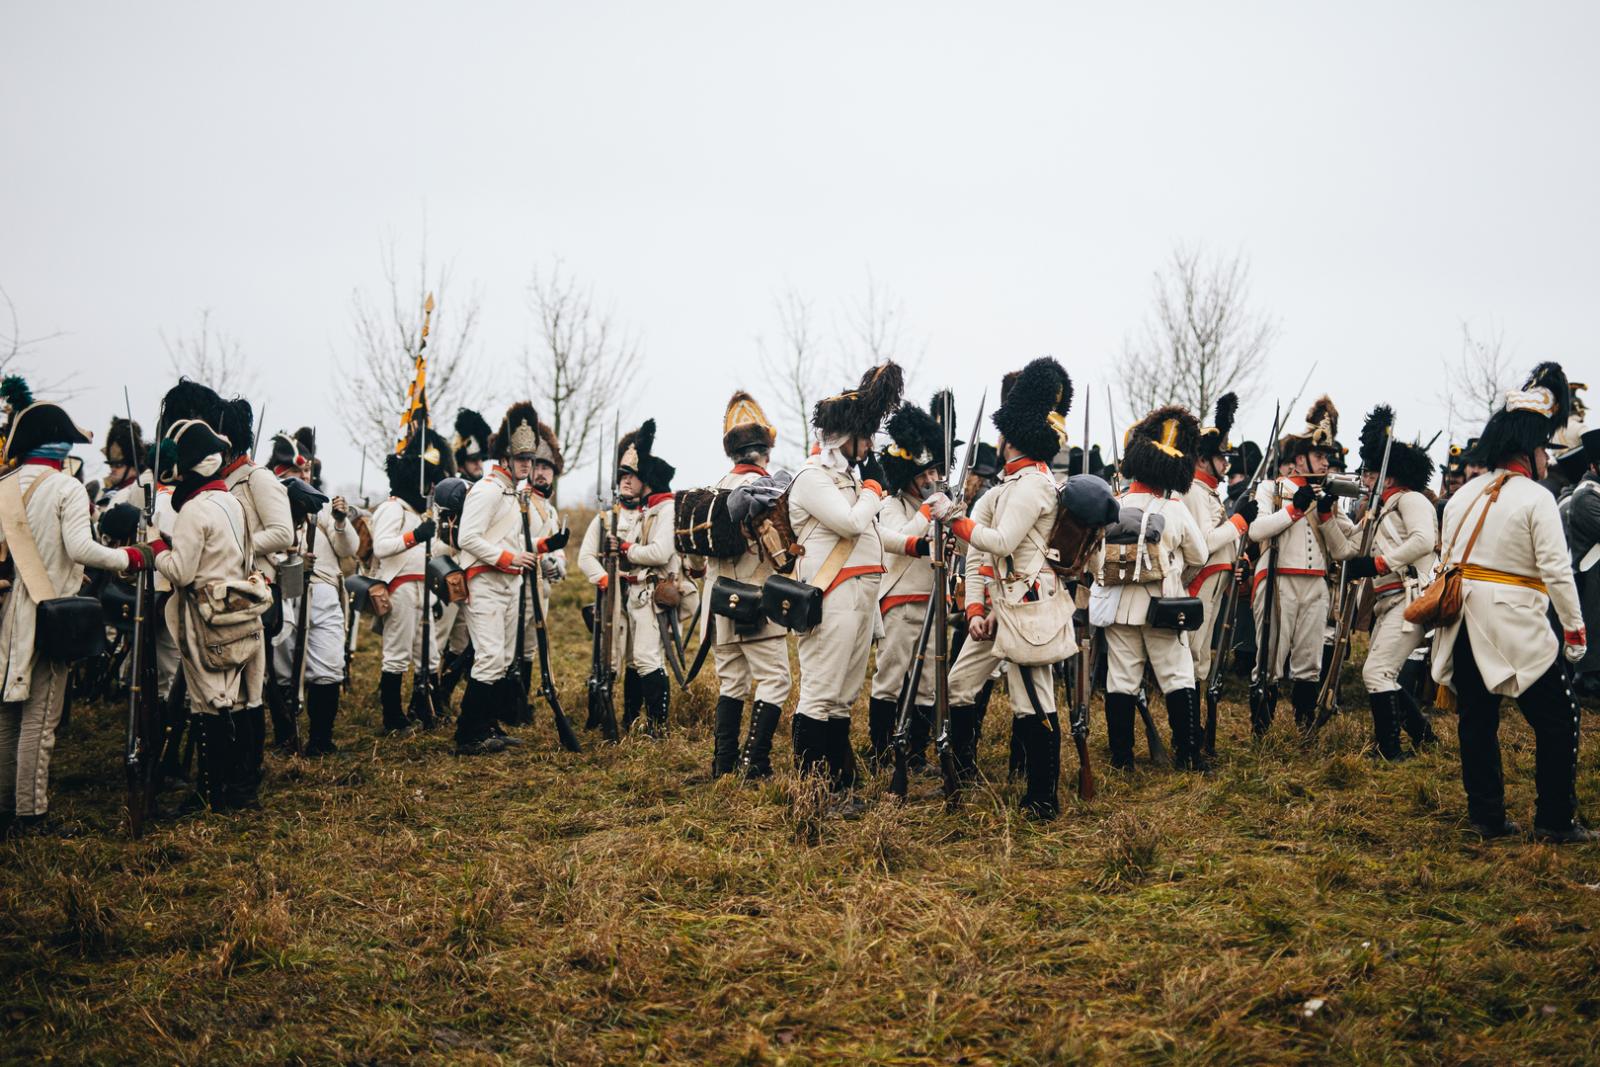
421, 706
810, 744
283, 724
1303, 695
240, 791
657, 702
725, 735
917, 743
632, 698
1183, 716
394, 719
473, 735
506, 704
842, 774
1386, 724
256, 719
1415, 723
1041, 739
880, 731
756, 761
1263, 708
962, 736
322, 705
1018, 764
1119, 729
207, 791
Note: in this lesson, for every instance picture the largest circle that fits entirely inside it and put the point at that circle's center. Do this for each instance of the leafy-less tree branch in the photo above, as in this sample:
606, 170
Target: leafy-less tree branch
1475, 384
795, 372
212, 357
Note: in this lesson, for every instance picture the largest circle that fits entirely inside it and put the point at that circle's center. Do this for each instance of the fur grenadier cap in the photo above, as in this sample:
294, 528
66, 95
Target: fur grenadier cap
125, 445
917, 442
1409, 464
237, 423
1322, 428
1032, 416
1529, 418
190, 400
549, 449
518, 435
416, 470
635, 456
862, 410
1214, 439
1162, 448
745, 427
472, 436
287, 451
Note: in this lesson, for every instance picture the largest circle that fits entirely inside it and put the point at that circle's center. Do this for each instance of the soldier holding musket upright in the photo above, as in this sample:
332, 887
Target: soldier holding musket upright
1503, 530
1222, 526
549, 535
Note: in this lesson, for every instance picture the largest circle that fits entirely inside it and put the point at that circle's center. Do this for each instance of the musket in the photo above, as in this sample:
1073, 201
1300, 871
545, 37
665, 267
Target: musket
547, 686
422, 687
1230, 598
1085, 676
302, 618
602, 671
1327, 698
1116, 453
1263, 686
143, 684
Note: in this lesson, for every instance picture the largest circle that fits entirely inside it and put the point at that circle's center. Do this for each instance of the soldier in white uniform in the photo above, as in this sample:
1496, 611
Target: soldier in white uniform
1008, 535
754, 664
495, 559
1515, 572
549, 534
1404, 548
833, 508
914, 463
1160, 459
471, 448
1304, 532
647, 557
400, 529
42, 505
1223, 528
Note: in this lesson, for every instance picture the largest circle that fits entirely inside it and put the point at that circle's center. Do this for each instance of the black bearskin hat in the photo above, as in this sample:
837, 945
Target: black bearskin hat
1322, 428
236, 422
635, 456
39, 424
307, 438
745, 427
426, 465
862, 410
1529, 418
518, 434
125, 445
1214, 438
549, 449
472, 436
1409, 464
1033, 406
287, 451
1162, 448
915, 444
190, 400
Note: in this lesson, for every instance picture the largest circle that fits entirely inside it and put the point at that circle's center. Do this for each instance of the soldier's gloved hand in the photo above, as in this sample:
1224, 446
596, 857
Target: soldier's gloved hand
1302, 498
611, 544
1575, 644
1364, 567
340, 509
1325, 503
554, 567
556, 541
941, 507
871, 470
424, 531
1247, 509
922, 547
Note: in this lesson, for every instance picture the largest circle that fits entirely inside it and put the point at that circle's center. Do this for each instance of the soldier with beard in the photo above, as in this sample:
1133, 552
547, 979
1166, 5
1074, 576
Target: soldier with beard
913, 465
647, 556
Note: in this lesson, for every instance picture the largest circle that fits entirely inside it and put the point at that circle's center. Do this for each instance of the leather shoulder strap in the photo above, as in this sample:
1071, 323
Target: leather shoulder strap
19, 537
834, 563
1492, 494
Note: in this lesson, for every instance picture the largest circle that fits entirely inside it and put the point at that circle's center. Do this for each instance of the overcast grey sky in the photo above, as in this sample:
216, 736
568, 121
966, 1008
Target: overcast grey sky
1012, 172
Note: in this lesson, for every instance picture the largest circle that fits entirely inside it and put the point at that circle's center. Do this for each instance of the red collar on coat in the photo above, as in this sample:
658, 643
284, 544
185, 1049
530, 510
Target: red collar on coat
1297, 479
1391, 491
1139, 487
1518, 468
1206, 478
1023, 464
40, 461
216, 484
235, 465
749, 468
654, 499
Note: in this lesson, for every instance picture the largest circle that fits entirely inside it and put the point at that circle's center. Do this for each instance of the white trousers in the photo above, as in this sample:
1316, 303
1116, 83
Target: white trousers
833, 655
1130, 648
1393, 641
902, 625
760, 666
402, 631
28, 740
1212, 594
492, 621
976, 665
324, 643
1302, 616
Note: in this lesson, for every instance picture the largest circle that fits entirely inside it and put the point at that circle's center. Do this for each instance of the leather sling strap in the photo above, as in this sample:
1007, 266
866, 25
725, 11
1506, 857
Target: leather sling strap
19, 537
833, 563
1493, 494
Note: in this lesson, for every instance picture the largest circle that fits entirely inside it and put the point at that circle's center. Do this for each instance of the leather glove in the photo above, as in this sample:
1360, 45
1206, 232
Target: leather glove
554, 568
1247, 509
1325, 502
922, 547
424, 531
941, 507
1575, 644
1361, 567
556, 541
1302, 498
871, 470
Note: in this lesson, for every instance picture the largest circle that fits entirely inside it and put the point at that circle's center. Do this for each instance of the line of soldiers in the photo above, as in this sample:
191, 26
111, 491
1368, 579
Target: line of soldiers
851, 554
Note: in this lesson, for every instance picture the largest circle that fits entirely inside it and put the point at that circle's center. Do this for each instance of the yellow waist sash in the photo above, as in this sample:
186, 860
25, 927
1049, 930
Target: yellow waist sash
1473, 572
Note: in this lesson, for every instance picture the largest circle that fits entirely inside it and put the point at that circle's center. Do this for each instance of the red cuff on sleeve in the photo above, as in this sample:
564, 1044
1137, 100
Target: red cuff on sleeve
159, 545
603, 581
539, 546
873, 486
1576, 637
408, 539
1295, 514
926, 512
974, 610
1239, 523
627, 546
962, 528
911, 546
504, 562
135, 560
1381, 564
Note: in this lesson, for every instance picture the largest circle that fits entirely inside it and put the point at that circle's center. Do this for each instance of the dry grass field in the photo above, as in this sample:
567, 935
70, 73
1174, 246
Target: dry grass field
393, 904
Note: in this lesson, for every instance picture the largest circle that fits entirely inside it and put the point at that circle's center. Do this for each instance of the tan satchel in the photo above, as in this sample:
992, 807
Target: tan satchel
1440, 603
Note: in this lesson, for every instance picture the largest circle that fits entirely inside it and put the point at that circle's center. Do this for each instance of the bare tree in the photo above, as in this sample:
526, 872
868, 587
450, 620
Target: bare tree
876, 332
1200, 340
211, 357
795, 371
585, 366
372, 378
1475, 384
17, 351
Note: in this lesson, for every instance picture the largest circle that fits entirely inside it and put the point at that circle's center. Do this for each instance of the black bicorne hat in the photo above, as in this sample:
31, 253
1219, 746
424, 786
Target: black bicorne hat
41, 423
1033, 407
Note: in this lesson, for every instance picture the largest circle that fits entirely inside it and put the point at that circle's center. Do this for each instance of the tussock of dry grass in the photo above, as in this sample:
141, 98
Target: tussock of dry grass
394, 904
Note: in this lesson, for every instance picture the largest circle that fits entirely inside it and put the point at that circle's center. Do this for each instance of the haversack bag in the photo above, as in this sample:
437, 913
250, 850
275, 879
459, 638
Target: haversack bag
1176, 613
1128, 564
371, 596
230, 601
70, 628
1033, 632
793, 605
220, 646
1440, 603
447, 579
738, 601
